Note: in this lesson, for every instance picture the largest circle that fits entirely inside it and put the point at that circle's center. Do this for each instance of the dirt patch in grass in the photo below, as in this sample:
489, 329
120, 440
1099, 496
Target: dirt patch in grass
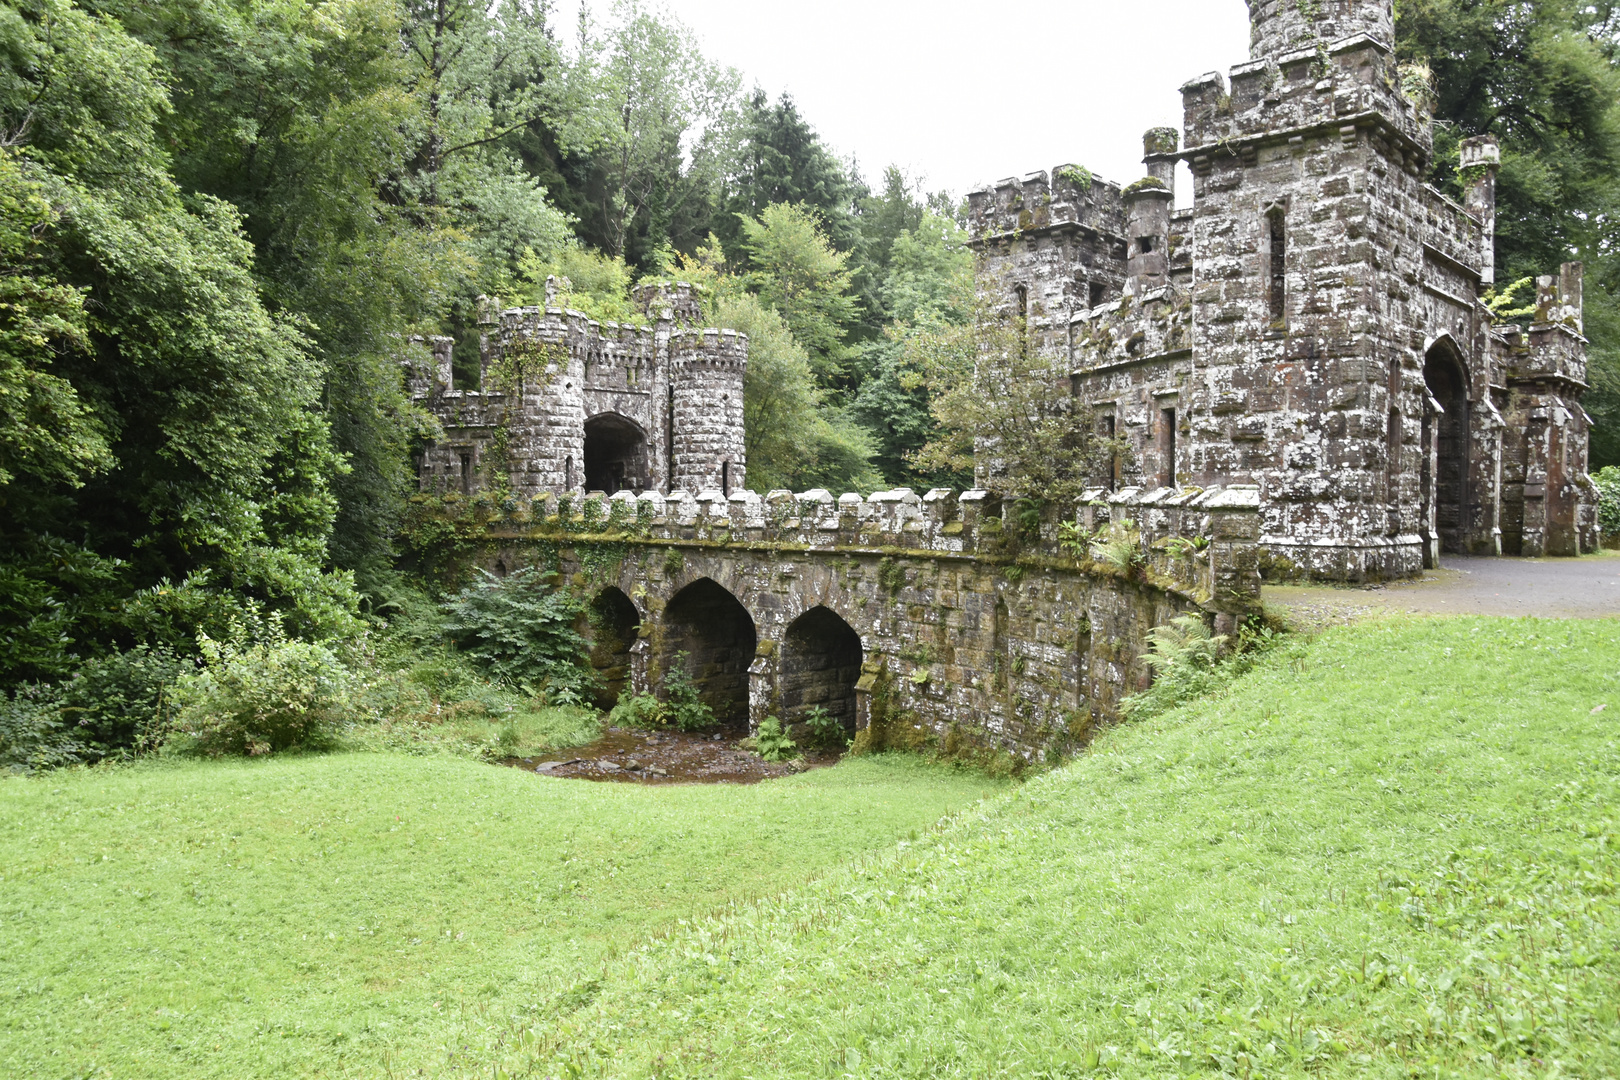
630, 756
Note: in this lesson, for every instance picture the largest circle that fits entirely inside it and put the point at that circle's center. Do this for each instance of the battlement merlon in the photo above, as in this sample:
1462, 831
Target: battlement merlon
1070, 199
1196, 542
1334, 88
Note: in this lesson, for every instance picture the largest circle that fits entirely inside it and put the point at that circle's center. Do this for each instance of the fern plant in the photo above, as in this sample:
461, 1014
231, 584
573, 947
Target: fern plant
1185, 659
521, 632
1120, 546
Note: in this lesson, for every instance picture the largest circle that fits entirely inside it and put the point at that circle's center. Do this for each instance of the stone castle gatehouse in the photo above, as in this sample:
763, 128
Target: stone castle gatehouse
1313, 324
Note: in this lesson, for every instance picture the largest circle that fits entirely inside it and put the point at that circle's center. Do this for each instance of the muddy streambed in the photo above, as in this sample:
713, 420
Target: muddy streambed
632, 756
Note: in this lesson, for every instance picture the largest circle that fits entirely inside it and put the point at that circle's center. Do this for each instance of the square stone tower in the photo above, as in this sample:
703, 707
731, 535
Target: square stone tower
1313, 326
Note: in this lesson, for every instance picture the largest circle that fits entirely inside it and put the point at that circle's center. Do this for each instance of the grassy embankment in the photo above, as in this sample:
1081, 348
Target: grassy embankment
1391, 855
364, 914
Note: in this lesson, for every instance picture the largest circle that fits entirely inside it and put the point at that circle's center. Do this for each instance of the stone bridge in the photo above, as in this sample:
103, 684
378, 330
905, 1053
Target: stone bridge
917, 621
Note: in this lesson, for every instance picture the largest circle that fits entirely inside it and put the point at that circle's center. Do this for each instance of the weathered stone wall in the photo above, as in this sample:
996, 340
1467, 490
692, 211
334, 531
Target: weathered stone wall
569, 404
915, 614
1314, 326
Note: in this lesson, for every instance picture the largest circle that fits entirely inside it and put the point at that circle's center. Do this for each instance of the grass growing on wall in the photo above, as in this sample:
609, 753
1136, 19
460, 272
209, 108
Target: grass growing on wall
1390, 856
367, 914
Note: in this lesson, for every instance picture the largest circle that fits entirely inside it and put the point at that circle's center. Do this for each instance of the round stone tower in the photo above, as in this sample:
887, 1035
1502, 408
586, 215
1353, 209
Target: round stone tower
1279, 27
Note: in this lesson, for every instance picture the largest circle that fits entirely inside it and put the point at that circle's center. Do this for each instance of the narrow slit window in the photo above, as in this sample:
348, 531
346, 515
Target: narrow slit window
1167, 419
1108, 431
725, 478
568, 473
1099, 293
669, 443
1021, 295
466, 473
1277, 279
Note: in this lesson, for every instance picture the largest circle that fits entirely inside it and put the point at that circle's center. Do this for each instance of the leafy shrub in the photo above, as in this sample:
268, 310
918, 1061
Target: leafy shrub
521, 632
116, 704
822, 729
259, 699
1185, 658
1608, 485
683, 709
33, 734
638, 711
772, 742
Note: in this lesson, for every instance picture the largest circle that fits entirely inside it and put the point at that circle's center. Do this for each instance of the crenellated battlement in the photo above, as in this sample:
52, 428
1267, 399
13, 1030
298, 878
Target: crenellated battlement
1194, 542
568, 403
1068, 198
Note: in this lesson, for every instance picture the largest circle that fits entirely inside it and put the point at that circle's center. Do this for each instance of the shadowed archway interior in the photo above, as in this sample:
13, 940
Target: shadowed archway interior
1447, 488
615, 454
821, 663
716, 632
614, 626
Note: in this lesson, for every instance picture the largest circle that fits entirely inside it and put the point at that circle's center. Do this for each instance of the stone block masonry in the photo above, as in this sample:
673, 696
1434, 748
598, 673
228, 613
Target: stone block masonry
567, 404
1313, 326
919, 620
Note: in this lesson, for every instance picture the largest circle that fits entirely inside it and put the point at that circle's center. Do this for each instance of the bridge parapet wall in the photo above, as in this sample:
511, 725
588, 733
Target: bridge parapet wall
1202, 544
973, 632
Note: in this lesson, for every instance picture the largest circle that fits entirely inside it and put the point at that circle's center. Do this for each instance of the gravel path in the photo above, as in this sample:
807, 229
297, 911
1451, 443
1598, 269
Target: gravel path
1585, 588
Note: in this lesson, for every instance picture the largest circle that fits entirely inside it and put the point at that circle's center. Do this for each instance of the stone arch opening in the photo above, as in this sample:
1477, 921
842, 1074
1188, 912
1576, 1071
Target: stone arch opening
615, 454
1446, 450
615, 624
716, 632
821, 663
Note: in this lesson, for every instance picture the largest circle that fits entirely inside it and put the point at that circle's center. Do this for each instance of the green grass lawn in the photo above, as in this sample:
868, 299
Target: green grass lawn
1391, 855
372, 914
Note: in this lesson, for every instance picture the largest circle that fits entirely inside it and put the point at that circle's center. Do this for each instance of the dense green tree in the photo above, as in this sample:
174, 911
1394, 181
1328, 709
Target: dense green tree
214, 498
1543, 78
796, 271
779, 158
928, 289
46, 431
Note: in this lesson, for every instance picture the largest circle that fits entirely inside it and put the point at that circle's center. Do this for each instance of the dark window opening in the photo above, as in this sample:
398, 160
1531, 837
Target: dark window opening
1144, 244
1277, 285
669, 444
725, 478
568, 473
1099, 293
615, 454
1021, 294
1167, 419
466, 472
1108, 432
1075, 382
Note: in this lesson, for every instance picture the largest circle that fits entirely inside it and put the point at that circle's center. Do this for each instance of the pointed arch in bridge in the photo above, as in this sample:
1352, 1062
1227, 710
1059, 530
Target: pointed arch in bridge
715, 631
821, 663
615, 624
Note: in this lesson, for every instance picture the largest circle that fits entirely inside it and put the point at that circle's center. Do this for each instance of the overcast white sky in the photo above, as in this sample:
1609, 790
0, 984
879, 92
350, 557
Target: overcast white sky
960, 93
